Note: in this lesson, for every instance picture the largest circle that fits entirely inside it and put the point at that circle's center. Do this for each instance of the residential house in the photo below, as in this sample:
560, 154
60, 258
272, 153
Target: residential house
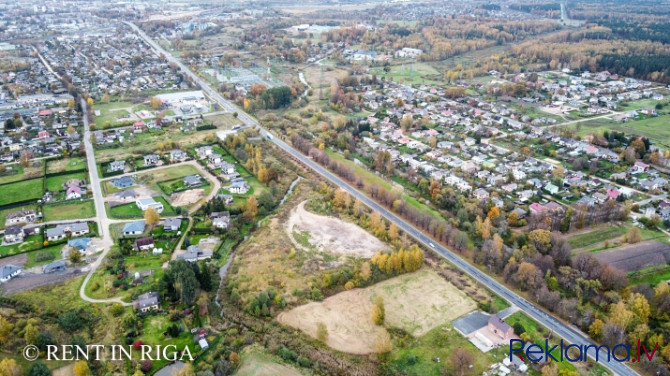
480, 194
134, 228
61, 231
552, 189
178, 155
204, 151
22, 216
143, 244
123, 182
500, 328
239, 187
146, 203
194, 253
214, 158
147, 302
126, 196
8, 272
13, 235
151, 159
227, 199
73, 192
115, 166
54, 267
171, 224
192, 181
220, 220
227, 168
639, 167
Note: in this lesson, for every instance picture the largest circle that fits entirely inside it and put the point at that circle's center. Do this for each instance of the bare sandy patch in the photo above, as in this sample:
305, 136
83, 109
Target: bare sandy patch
332, 234
187, 197
415, 302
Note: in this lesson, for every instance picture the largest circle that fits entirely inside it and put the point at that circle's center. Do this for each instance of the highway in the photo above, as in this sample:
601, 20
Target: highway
566, 331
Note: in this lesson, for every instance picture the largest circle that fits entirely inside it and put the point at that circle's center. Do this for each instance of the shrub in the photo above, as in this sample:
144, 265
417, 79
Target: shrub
518, 328
137, 344
146, 366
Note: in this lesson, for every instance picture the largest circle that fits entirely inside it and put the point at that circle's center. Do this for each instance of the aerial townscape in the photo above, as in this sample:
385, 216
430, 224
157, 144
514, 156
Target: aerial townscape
335, 187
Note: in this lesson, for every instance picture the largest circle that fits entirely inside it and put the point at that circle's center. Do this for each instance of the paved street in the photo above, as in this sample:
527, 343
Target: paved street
566, 331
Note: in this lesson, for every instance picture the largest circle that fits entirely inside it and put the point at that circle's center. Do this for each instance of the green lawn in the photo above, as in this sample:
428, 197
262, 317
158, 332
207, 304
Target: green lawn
49, 254
112, 111
226, 121
21, 191
30, 243
66, 164
55, 183
131, 210
69, 210
654, 128
652, 275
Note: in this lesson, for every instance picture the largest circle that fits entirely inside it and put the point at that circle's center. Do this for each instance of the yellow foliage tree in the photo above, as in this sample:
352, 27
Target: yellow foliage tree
151, 217
81, 368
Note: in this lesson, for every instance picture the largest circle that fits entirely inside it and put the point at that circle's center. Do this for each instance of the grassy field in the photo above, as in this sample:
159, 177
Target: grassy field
21, 191
226, 121
55, 183
53, 251
100, 286
596, 236
652, 275
131, 210
654, 128
640, 104
152, 178
69, 210
110, 112
257, 362
66, 164
411, 73
16, 173
439, 343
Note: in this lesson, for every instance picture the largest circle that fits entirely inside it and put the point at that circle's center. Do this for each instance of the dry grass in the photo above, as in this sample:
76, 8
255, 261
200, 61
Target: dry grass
256, 362
332, 234
415, 302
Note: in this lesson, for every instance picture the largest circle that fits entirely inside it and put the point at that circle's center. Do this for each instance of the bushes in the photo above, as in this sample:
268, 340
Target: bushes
43, 256
288, 355
70, 321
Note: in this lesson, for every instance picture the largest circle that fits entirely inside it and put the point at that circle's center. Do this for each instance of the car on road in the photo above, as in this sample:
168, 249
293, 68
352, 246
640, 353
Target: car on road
431, 245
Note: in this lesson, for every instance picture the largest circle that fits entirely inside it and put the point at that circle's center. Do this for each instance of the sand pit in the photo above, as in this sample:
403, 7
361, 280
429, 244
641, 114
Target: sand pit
332, 234
187, 197
415, 302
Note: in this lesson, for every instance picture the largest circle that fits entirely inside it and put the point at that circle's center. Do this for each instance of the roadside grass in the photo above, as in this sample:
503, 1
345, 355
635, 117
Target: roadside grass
69, 210
21, 191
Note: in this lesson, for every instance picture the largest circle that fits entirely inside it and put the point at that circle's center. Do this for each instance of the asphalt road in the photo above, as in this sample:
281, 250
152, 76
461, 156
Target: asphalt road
566, 331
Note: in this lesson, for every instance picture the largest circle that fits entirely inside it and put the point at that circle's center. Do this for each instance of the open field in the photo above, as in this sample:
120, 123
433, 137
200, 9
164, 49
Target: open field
187, 198
415, 302
69, 210
256, 362
411, 73
636, 256
25, 190
47, 255
146, 145
66, 164
225, 121
652, 128
332, 234
111, 112
605, 232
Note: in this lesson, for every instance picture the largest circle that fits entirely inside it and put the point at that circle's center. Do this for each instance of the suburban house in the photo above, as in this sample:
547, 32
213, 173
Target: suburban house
227, 199
13, 235
134, 228
171, 224
227, 168
204, 151
194, 253
126, 196
192, 180
239, 187
61, 231
73, 192
23, 216
143, 244
117, 166
497, 326
481, 194
147, 302
146, 203
220, 220
151, 159
552, 189
8, 272
639, 167
54, 267
123, 182
177, 155
214, 158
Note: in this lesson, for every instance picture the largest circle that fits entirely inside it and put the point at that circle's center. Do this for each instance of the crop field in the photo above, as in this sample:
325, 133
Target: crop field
636, 256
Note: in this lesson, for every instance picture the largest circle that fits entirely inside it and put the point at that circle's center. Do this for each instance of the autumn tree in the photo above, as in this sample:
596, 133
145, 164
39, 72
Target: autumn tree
151, 217
383, 344
186, 370
250, 209
6, 328
321, 332
525, 275
155, 103
393, 231
81, 368
341, 198
74, 255
378, 311
460, 361
8, 367
90, 102
558, 172
634, 235
30, 334
596, 329
365, 273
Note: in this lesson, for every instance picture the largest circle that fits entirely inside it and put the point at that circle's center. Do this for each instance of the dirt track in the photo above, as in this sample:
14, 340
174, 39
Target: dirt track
332, 234
636, 256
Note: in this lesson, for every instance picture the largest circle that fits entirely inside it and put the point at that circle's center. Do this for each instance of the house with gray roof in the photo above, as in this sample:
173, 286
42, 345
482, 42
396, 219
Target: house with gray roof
61, 231
54, 267
8, 272
123, 182
134, 228
147, 302
171, 224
